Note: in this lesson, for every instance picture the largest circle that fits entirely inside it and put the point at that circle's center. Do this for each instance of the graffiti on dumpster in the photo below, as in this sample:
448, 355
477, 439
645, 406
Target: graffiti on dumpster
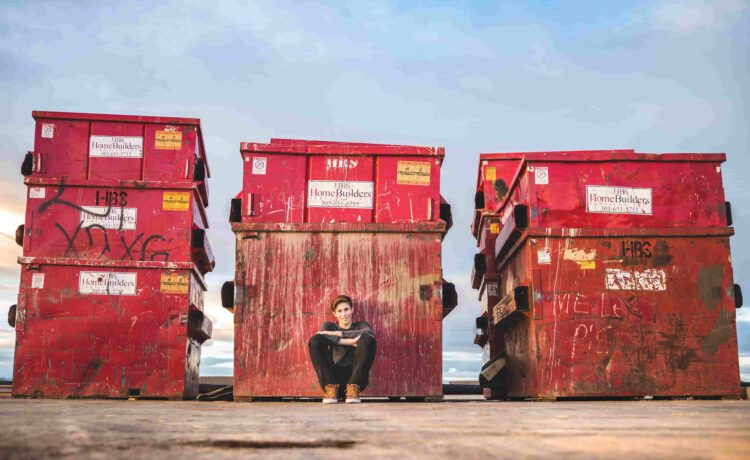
625, 280
101, 218
636, 249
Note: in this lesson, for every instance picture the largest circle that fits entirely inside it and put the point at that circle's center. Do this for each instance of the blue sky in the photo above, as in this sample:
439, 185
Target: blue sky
471, 76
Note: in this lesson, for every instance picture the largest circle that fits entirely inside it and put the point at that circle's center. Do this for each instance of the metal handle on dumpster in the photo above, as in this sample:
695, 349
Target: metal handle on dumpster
235, 210
32, 163
482, 324
19, 234
479, 200
250, 205
227, 295
728, 212
512, 230
12, 316
737, 296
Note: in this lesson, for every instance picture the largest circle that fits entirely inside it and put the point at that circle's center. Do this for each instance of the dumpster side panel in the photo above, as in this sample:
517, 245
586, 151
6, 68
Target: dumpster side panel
116, 147
496, 180
408, 189
274, 188
626, 194
394, 279
629, 317
85, 337
63, 146
110, 222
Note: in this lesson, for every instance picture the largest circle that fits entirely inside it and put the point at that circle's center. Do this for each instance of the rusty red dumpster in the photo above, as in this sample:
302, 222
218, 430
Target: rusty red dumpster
111, 295
83, 146
583, 316
638, 299
108, 329
96, 219
316, 219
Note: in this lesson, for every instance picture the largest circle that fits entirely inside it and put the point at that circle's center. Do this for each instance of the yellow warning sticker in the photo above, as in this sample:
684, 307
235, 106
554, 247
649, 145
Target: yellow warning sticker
175, 283
175, 201
490, 173
168, 140
413, 173
494, 228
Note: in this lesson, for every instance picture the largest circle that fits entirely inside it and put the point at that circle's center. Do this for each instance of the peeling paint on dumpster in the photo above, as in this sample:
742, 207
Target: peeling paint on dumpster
655, 329
317, 219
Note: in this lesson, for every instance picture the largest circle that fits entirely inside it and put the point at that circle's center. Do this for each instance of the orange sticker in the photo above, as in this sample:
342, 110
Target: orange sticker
494, 228
168, 140
413, 173
175, 283
175, 201
490, 173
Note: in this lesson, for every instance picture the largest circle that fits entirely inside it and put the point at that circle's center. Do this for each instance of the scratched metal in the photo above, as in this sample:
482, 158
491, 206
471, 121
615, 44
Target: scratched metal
618, 314
286, 279
278, 175
296, 251
102, 220
619, 189
171, 148
73, 340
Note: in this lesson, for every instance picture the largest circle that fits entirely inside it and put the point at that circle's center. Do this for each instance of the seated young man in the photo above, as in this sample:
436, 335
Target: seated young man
342, 353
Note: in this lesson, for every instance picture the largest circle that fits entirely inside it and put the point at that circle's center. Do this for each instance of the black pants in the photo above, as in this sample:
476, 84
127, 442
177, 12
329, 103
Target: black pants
330, 373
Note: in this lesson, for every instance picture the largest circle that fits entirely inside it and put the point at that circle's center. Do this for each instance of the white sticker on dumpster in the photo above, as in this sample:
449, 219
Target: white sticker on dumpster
543, 256
259, 165
106, 283
625, 280
541, 175
116, 146
48, 130
37, 192
109, 217
37, 281
618, 200
339, 194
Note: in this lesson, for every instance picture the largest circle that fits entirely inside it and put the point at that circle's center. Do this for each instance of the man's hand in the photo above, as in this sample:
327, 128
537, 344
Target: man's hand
350, 342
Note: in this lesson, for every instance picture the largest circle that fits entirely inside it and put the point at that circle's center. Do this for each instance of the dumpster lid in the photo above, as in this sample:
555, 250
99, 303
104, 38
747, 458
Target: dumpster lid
43, 114
317, 147
602, 155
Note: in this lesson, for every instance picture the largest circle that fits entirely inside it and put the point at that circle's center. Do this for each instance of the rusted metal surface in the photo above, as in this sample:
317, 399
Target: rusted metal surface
82, 146
395, 280
616, 314
95, 220
618, 190
99, 330
318, 219
314, 181
114, 249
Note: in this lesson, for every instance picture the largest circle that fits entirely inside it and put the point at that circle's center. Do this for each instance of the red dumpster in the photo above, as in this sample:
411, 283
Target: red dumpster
618, 189
616, 277
111, 295
108, 329
80, 146
316, 219
584, 316
96, 219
